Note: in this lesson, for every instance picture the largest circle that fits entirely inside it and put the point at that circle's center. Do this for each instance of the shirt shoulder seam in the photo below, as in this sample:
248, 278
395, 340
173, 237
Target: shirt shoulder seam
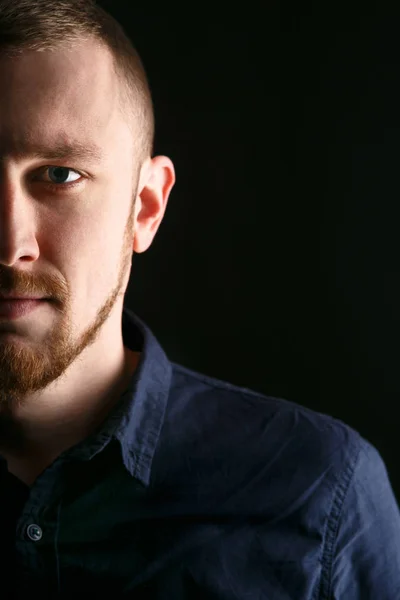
332, 525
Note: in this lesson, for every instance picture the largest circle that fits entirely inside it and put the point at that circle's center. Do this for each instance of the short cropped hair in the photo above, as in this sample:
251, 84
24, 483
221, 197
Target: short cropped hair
46, 25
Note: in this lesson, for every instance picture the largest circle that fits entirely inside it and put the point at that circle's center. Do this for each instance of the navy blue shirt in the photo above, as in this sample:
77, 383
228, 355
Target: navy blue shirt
194, 488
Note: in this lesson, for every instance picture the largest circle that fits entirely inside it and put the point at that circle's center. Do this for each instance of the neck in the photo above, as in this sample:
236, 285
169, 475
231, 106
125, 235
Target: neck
28, 455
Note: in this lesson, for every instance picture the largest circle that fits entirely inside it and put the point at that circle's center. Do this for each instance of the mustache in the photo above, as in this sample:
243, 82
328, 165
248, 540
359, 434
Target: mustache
24, 283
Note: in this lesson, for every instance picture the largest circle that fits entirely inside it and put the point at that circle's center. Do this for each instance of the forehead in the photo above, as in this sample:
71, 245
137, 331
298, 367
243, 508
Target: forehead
59, 99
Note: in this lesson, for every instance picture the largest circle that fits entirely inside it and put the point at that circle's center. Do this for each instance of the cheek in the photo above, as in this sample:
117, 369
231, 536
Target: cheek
80, 256
96, 254
84, 243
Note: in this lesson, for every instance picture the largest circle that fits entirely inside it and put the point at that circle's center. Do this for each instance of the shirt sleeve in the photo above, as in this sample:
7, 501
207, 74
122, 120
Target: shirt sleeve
366, 553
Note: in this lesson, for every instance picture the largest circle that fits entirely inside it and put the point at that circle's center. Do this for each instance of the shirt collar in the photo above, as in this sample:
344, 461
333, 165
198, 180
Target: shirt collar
141, 412
136, 420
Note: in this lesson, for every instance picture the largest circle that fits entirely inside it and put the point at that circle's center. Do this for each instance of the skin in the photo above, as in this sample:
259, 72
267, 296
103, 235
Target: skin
64, 365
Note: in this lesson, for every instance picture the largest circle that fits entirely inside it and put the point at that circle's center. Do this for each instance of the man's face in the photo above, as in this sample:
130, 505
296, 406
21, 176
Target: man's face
73, 244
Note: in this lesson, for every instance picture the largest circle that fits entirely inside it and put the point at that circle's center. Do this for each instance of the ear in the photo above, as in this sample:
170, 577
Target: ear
157, 179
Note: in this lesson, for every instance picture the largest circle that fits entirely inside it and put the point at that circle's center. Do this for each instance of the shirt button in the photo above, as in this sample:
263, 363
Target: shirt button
34, 532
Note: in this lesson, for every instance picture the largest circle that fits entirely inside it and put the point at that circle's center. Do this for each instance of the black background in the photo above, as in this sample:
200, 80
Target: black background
276, 266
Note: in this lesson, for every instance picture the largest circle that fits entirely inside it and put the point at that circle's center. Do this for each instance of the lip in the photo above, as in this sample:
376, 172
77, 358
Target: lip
13, 309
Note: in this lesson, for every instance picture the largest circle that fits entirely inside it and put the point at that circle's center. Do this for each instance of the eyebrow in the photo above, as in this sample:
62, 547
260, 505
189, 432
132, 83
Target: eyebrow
61, 150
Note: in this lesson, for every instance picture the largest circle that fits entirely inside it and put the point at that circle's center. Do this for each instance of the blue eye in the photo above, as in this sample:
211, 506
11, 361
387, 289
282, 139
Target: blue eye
61, 173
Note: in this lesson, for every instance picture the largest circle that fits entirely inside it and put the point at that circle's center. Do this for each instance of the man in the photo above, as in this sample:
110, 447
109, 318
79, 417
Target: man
123, 474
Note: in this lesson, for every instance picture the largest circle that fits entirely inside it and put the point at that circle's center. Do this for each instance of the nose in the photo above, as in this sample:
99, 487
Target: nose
17, 224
